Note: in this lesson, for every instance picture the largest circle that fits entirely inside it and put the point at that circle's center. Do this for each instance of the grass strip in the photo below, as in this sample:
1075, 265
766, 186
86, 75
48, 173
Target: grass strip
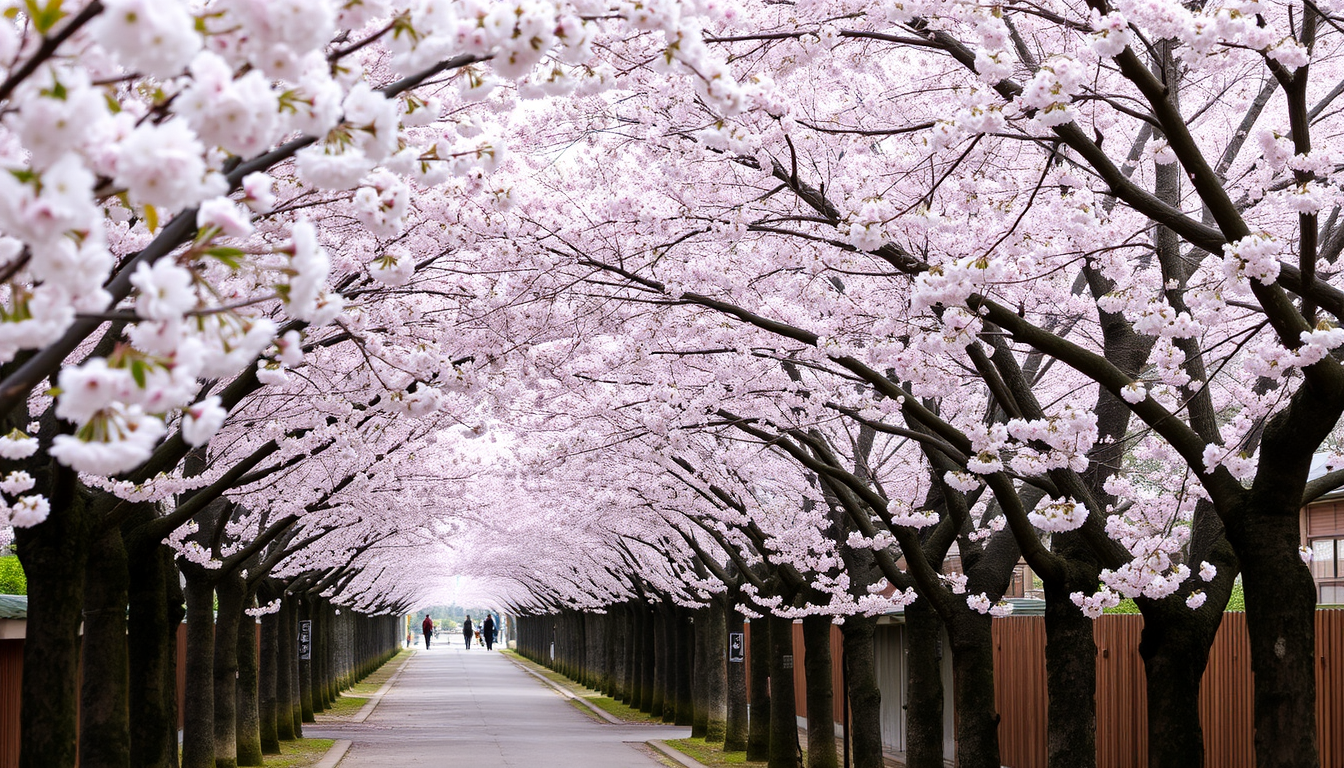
350, 702
299, 754
596, 698
711, 753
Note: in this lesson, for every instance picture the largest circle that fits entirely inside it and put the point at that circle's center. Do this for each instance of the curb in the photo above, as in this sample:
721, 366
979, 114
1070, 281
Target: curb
334, 754
662, 748
600, 712
367, 709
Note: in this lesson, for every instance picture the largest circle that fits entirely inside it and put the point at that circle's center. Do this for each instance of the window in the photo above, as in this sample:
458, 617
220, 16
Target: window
1323, 561
1332, 594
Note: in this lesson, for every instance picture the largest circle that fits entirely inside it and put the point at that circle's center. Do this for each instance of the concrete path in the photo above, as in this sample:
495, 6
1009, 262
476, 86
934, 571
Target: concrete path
477, 709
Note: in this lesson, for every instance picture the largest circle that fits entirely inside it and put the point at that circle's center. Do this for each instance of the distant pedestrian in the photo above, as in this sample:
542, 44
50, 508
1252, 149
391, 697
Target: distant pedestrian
467, 632
488, 631
427, 626
408, 638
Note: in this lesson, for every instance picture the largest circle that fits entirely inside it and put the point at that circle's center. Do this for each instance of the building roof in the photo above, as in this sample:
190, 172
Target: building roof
1318, 470
13, 607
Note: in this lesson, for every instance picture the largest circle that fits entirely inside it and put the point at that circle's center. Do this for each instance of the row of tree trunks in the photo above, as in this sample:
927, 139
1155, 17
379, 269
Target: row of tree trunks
242, 696
672, 663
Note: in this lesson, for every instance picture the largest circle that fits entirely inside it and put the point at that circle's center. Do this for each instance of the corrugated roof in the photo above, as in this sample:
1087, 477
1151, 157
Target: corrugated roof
13, 607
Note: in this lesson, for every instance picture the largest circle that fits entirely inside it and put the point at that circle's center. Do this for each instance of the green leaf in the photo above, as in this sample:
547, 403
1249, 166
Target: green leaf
233, 257
44, 17
138, 372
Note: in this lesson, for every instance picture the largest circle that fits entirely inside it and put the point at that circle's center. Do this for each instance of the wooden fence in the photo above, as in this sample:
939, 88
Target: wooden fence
11, 677
1226, 694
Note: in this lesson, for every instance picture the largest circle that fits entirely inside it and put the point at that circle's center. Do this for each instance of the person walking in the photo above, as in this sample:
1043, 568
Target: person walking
466, 632
488, 632
427, 626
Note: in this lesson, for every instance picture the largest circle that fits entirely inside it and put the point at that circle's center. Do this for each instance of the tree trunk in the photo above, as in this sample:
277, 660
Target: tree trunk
53, 554
700, 675
637, 651
716, 675
198, 731
305, 618
268, 671
1175, 650
865, 698
820, 693
104, 721
249, 715
924, 681
758, 726
784, 747
973, 686
735, 687
662, 663
685, 664
284, 671
1281, 621
151, 639
648, 680
229, 592
1070, 677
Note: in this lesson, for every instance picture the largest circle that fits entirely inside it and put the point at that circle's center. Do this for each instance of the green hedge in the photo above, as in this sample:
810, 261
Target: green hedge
12, 580
1237, 602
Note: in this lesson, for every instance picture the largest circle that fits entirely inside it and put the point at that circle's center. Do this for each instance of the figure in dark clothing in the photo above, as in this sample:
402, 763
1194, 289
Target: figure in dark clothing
488, 632
466, 632
427, 626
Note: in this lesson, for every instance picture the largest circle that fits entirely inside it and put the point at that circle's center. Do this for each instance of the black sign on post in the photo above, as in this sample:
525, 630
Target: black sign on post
736, 647
788, 661
305, 639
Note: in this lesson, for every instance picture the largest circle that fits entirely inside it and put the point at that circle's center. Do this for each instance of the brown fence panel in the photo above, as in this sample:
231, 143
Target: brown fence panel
1122, 701
1019, 689
11, 680
1330, 687
1226, 696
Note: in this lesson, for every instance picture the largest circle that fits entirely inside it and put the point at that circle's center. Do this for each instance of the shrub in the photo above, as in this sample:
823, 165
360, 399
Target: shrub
12, 579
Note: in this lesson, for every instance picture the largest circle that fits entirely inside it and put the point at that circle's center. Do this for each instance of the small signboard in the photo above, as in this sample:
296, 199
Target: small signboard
305, 639
788, 661
737, 650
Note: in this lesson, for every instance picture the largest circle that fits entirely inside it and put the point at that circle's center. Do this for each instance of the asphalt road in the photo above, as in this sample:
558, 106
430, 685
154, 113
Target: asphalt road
477, 709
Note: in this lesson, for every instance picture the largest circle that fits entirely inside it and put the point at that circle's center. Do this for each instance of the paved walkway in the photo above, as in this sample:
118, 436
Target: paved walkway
476, 708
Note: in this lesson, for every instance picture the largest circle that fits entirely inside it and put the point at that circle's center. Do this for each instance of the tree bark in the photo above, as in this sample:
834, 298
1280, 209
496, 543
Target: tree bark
268, 671
784, 747
104, 721
1281, 621
865, 697
248, 711
664, 706
716, 674
151, 637
284, 672
648, 680
758, 726
924, 674
53, 554
304, 605
1070, 670
229, 592
198, 731
700, 675
820, 693
973, 684
1175, 651
685, 664
735, 733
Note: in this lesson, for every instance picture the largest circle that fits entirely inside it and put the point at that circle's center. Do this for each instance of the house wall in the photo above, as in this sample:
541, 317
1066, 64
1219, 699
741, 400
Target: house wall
1323, 533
